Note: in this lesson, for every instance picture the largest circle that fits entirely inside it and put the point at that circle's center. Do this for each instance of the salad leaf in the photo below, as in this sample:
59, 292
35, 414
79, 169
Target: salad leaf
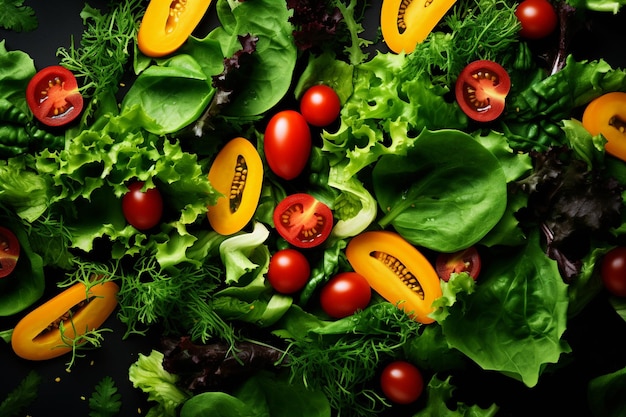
236, 252
16, 70
514, 320
14, 15
105, 400
216, 404
16, 401
606, 394
446, 176
440, 393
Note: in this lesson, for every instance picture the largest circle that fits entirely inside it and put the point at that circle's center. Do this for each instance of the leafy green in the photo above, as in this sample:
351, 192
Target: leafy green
605, 394
444, 177
25, 393
16, 70
217, 404
439, 396
105, 399
14, 15
513, 321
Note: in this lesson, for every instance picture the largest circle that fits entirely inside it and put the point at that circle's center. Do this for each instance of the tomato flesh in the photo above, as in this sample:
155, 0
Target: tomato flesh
142, 209
345, 294
320, 105
466, 260
9, 251
481, 90
53, 97
302, 220
402, 382
288, 271
613, 271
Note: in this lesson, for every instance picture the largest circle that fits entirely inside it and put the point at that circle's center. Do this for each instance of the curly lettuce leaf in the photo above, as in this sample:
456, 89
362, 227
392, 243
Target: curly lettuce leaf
514, 320
440, 394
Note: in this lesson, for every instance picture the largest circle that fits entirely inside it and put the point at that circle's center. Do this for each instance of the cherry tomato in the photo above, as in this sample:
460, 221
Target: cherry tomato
466, 260
302, 220
481, 90
402, 382
344, 294
287, 144
9, 251
320, 105
613, 271
289, 271
142, 209
53, 97
537, 17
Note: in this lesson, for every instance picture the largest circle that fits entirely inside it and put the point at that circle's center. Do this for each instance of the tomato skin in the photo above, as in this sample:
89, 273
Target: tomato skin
61, 103
9, 251
320, 105
613, 271
402, 382
287, 144
466, 260
481, 90
142, 209
345, 294
302, 220
537, 17
289, 271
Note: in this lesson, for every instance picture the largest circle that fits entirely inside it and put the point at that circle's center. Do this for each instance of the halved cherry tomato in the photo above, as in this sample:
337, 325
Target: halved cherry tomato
287, 144
9, 251
53, 97
466, 260
37, 335
481, 90
302, 220
405, 23
606, 115
167, 24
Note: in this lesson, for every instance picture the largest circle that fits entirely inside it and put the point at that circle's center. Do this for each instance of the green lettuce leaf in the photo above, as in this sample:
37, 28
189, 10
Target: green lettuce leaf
440, 393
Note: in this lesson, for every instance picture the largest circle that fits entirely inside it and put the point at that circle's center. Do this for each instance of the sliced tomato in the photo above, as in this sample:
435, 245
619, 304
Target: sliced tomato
53, 97
9, 251
481, 90
466, 260
302, 220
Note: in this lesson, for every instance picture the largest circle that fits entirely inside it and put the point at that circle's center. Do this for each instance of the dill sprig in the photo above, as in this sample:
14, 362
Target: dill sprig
88, 340
105, 49
472, 30
345, 365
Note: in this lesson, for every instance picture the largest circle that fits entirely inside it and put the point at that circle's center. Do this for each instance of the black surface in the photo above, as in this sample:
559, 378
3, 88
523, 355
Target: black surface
597, 336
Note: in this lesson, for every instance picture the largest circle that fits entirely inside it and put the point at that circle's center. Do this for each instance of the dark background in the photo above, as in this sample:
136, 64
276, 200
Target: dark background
597, 336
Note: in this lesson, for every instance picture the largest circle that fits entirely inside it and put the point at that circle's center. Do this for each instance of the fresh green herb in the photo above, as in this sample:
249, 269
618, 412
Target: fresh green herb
105, 400
105, 49
14, 15
24, 394
89, 340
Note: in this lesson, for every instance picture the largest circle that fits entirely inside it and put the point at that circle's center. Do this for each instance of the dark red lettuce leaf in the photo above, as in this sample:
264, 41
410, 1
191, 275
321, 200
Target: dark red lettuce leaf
315, 22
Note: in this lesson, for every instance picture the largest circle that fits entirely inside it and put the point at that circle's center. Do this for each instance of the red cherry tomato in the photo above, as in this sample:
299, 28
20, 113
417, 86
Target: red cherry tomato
302, 220
466, 260
53, 97
142, 209
613, 271
289, 271
481, 90
287, 144
537, 17
9, 251
402, 382
344, 294
320, 105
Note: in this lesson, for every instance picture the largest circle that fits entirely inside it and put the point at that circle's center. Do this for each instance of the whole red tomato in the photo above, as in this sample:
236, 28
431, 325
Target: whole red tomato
613, 271
287, 144
344, 294
142, 209
320, 105
537, 17
289, 271
402, 382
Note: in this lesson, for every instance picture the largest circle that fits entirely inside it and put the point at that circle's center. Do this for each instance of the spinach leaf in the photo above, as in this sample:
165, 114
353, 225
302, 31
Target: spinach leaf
445, 194
513, 320
216, 404
16, 70
269, 76
606, 394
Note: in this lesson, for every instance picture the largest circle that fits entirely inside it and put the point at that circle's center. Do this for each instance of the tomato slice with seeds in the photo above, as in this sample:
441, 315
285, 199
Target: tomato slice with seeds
466, 260
53, 97
481, 90
302, 220
9, 251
